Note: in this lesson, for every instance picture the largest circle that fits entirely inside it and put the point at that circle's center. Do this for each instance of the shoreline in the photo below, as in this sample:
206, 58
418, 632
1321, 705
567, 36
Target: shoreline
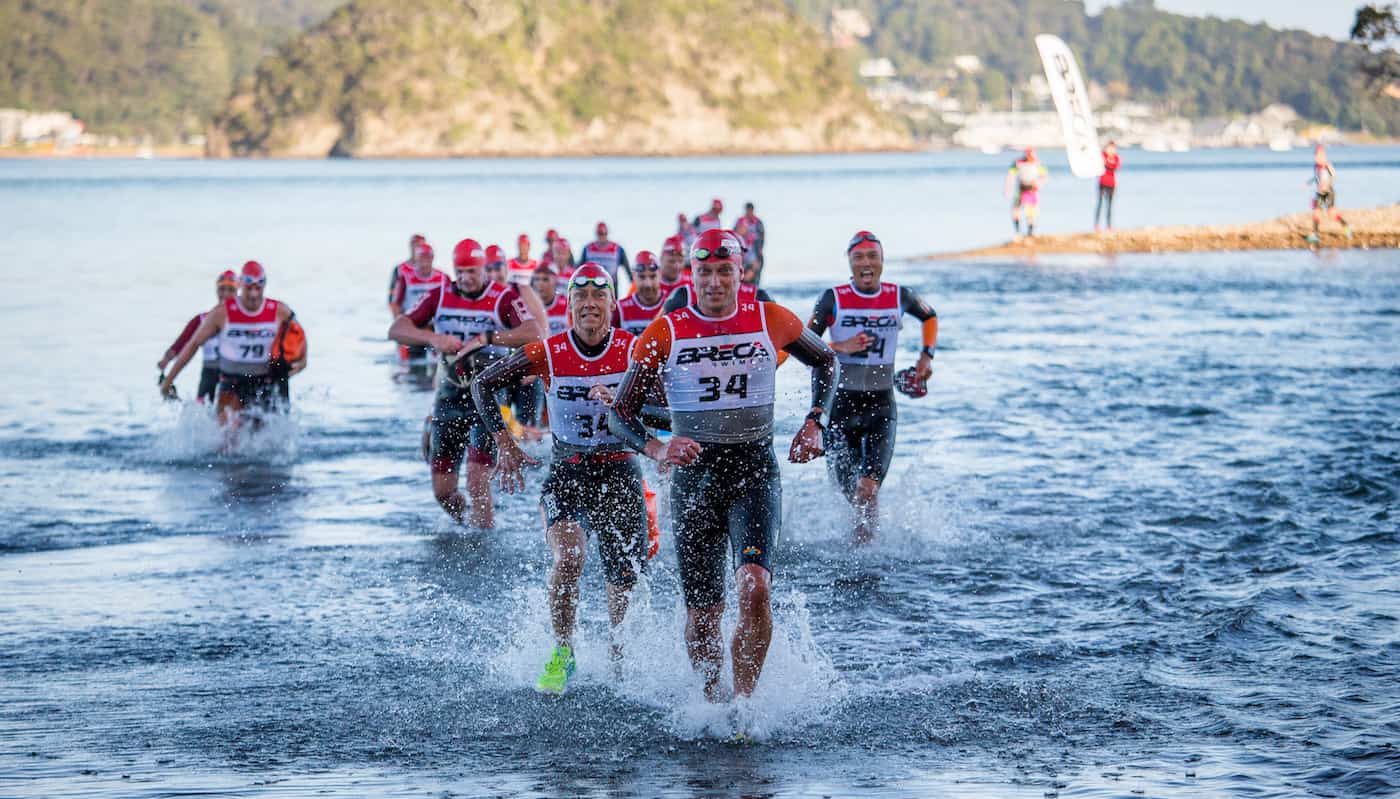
43, 152
1372, 228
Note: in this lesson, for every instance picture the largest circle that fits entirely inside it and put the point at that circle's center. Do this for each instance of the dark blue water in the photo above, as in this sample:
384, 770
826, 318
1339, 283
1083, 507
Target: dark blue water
1140, 539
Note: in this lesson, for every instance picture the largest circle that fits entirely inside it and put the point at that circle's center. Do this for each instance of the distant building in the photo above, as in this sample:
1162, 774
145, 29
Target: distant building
846, 26
876, 68
19, 126
970, 64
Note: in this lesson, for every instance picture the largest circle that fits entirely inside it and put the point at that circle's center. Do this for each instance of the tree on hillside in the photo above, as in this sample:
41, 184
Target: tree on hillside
1375, 29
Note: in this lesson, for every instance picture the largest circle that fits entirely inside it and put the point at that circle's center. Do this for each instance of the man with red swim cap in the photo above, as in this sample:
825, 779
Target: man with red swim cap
594, 486
415, 279
607, 254
673, 272
683, 294
225, 286
710, 220
633, 313
413, 242
521, 268
496, 264
716, 361
250, 328
470, 322
864, 317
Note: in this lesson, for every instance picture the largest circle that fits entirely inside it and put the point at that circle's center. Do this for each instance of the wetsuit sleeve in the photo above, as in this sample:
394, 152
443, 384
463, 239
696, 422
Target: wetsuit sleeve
824, 313
788, 333
677, 299
528, 360
912, 304
622, 262
393, 281
650, 352
762, 296
515, 311
422, 313
185, 336
397, 290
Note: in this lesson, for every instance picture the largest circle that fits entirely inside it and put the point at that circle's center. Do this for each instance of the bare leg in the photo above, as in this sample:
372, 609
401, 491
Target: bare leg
702, 642
618, 597
749, 648
569, 545
479, 490
447, 495
866, 503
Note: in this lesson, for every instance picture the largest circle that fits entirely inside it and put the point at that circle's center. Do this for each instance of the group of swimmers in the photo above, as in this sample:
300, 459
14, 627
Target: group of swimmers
681, 370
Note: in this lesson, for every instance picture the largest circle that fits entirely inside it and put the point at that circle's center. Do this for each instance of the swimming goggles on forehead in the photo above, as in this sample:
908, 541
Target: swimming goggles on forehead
646, 267
248, 280
723, 251
599, 281
859, 239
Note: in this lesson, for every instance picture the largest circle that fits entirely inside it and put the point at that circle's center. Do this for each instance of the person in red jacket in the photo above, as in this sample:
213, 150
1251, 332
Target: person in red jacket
1108, 182
226, 287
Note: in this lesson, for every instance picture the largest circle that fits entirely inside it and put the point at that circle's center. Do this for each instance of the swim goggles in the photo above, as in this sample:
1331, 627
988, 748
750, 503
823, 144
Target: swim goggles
248, 280
722, 252
598, 281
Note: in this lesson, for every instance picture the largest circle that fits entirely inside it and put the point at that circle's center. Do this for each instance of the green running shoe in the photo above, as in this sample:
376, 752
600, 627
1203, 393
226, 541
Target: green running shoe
1312, 238
556, 672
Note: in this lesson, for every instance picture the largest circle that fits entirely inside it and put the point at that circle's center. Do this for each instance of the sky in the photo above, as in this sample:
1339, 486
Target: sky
1325, 17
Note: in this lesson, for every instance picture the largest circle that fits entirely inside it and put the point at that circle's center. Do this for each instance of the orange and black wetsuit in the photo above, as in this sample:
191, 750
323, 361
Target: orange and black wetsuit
718, 378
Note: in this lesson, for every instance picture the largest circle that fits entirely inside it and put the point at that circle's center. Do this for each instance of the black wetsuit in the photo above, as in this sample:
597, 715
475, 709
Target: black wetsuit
598, 488
861, 435
727, 505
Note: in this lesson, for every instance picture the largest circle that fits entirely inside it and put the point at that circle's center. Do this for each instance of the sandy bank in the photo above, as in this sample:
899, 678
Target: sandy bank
1371, 228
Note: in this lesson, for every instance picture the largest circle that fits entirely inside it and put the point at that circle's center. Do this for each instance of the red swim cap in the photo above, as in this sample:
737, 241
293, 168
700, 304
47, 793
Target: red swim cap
253, 272
602, 229
424, 249
468, 252
416, 238
590, 274
673, 244
523, 239
495, 254
645, 258
717, 245
863, 240
228, 278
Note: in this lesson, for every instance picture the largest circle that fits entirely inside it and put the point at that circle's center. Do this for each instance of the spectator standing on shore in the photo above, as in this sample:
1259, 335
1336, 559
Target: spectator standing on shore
1324, 182
1023, 182
1108, 182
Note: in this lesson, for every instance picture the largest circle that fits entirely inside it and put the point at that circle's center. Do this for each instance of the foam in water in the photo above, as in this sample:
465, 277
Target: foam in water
799, 686
192, 431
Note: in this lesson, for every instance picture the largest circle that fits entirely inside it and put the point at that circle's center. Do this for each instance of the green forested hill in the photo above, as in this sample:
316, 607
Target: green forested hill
166, 67
123, 66
1202, 66
133, 67
458, 77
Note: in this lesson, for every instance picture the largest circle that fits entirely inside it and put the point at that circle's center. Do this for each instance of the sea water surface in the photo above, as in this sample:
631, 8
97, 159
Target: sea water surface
1140, 539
